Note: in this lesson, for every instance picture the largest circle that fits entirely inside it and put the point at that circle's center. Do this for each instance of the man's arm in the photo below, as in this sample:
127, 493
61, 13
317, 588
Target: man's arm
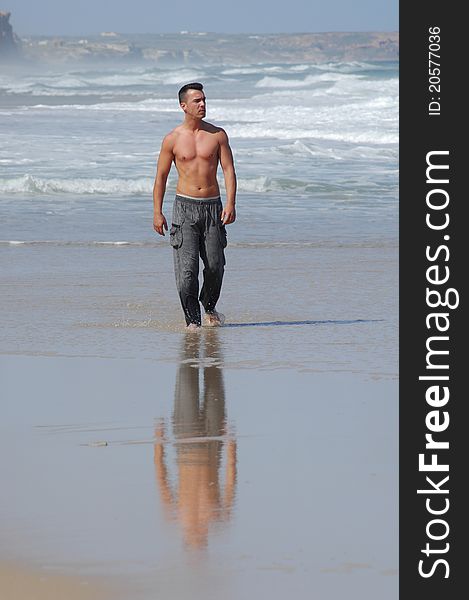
226, 160
164, 166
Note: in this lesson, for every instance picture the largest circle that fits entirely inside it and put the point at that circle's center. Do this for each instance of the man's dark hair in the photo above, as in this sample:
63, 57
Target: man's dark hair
188, 86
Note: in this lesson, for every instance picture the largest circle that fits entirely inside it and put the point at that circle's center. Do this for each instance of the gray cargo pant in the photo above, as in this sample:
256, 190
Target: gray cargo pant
197, 230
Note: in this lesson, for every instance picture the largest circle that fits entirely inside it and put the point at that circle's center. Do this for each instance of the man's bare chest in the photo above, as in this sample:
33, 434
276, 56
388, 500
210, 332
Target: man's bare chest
190, 149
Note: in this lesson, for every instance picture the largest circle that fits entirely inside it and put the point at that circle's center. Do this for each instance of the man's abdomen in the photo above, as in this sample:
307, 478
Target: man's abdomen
197, 180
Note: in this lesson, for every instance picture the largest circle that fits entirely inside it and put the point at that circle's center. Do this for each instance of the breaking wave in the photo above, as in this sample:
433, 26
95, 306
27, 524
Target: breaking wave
30, 184
121, 187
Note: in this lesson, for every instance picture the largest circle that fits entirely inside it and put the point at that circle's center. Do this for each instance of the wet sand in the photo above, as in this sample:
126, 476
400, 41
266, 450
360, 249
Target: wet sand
190, 478
320, 308
259, 459
256, 459
18, 582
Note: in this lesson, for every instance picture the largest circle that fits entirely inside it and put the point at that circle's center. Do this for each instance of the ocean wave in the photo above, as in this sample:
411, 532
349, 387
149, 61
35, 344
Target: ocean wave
325, 85
325, 92
356, 66
373, 135
74, 93
318, 243
303, 149
80, 243
16, 161
262, 68
279, 82
31, 184
369, 118
143, 77
85, 83
122, 187
148, 105
337, 68
265, 184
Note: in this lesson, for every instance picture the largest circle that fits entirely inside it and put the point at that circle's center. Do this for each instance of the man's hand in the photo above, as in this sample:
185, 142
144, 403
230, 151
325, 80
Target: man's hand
159, 223
228, 214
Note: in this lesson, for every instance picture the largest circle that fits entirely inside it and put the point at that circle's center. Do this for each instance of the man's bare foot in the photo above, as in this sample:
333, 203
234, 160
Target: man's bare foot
193, 327
214, 319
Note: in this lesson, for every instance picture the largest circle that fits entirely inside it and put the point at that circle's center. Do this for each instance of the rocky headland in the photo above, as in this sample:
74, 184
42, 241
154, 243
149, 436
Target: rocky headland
199, 47
214, 48
9, 42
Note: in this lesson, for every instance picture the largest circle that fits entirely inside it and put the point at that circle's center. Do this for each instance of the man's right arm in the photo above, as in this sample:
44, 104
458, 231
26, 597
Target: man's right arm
164, 166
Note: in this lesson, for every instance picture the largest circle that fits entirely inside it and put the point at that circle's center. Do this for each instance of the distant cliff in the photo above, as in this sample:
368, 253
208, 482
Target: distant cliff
9, 46
201, 48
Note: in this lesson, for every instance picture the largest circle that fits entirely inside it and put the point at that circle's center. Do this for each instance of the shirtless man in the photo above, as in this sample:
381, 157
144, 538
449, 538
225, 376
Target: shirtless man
198, 224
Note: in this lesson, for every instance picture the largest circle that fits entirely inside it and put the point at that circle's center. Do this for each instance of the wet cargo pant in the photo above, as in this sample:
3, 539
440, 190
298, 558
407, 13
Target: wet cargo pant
197, 230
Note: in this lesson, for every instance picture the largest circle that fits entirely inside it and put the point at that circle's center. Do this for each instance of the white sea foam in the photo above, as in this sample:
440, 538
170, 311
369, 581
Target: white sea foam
29, 184
292, 127
112, 243
158, 242
85, 83
279, 82
261, 68
373, 135
120, 187
148, 105
79, 243
16, 161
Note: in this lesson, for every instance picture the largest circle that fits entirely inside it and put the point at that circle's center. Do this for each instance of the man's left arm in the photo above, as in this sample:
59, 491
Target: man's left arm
227, 164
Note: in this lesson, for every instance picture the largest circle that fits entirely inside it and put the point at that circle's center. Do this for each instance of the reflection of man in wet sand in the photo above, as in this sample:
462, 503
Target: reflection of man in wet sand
199, 500
198, 225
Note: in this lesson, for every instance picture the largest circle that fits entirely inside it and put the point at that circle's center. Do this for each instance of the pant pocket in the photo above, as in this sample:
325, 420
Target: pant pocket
222, 235
175, 236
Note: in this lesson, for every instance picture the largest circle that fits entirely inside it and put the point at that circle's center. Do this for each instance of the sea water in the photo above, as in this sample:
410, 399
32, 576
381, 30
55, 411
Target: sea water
315, 149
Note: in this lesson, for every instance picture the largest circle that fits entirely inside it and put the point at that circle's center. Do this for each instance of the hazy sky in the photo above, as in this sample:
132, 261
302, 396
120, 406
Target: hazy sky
77, 17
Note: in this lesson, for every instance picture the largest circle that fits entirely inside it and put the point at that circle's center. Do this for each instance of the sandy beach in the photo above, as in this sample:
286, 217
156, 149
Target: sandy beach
20, 581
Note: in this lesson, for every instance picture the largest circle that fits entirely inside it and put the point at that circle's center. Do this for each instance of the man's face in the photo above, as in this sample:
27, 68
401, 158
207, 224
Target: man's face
194, 104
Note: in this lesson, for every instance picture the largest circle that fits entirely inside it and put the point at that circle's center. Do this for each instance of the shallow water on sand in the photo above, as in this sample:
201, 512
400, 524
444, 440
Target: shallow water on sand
197, 478
255, 459
319, 309
315, 292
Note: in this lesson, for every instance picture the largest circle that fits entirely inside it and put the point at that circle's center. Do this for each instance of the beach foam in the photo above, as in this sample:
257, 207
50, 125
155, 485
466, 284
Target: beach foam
31, 184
